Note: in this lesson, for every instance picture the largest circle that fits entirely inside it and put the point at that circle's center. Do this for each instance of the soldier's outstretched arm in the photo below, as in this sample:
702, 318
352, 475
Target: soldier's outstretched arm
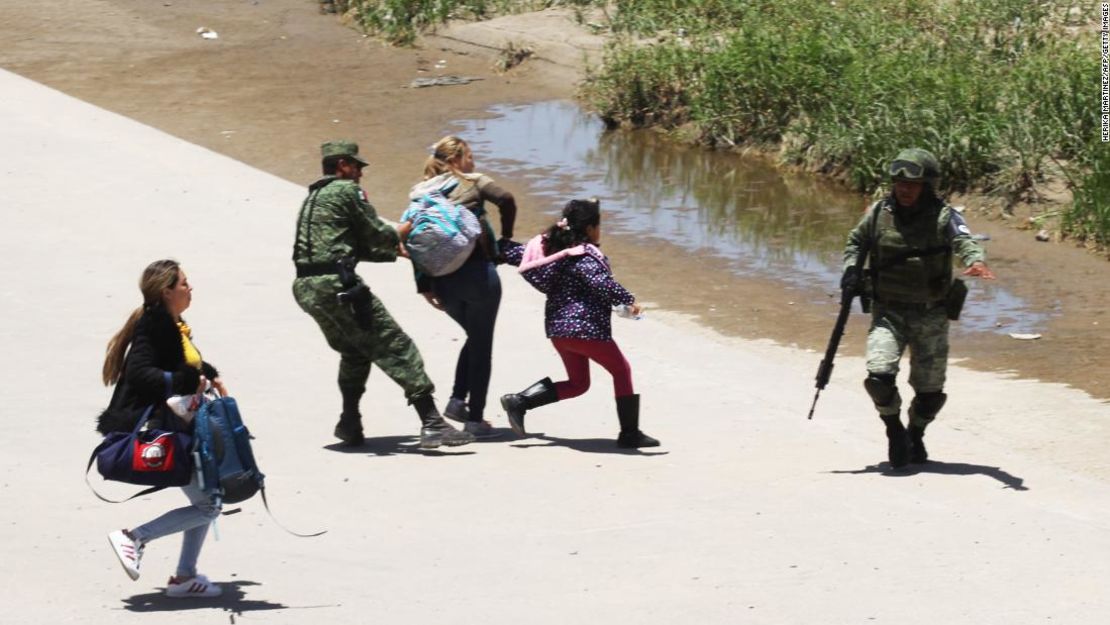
968, 249
377, 240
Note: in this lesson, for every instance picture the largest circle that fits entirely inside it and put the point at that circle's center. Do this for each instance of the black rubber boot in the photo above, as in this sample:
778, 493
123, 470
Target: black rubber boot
434, 431
898, 442
918, 454
516, 404
628, 412
349, 428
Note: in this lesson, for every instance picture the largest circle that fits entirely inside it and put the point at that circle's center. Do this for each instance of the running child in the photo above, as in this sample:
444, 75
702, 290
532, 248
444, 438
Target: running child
566, 264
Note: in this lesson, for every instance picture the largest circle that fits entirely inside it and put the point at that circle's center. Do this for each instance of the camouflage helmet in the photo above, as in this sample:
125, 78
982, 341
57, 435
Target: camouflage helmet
915, 164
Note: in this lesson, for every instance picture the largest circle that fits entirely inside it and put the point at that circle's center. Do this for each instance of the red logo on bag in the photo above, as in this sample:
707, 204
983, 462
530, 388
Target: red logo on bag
156, 455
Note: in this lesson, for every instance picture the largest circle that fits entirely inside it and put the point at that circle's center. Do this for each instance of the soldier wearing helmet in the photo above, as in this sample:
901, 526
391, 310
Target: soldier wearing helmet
909, 240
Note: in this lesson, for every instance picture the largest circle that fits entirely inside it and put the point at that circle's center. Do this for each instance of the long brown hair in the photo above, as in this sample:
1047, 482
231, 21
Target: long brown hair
446, 153
158, 276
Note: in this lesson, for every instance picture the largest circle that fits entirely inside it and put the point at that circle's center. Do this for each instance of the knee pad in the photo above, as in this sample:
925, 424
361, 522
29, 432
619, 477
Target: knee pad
881, 388
925, 406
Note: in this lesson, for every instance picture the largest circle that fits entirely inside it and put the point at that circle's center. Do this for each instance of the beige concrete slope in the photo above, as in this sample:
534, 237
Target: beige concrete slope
748, 513
562, 46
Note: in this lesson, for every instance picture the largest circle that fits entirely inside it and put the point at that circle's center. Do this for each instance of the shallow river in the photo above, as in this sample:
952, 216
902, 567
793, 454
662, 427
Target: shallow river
760, 221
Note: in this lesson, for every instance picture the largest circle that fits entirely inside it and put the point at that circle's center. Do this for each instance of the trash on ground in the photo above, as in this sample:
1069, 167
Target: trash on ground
1024, 337
441, 81
207, 33
1043, 235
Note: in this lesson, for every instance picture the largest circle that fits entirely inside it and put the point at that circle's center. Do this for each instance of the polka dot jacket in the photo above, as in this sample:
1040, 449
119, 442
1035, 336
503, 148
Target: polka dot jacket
581, 293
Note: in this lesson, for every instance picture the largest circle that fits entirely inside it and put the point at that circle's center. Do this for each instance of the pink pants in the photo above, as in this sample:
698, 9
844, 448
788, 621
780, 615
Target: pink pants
577, 354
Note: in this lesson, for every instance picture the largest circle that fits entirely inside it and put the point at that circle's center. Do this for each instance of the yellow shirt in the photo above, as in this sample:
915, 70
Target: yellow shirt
192, 356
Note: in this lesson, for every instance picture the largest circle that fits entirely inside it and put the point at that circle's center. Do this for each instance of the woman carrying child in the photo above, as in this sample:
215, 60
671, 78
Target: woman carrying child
471, 295
566, 264
149, 359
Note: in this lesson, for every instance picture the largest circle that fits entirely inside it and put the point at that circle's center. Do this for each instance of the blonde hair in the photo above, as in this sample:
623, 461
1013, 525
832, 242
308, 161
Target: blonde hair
447, 153
157, 277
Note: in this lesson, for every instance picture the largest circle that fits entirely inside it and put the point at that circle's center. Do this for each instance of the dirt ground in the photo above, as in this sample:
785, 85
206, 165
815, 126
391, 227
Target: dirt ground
281, 78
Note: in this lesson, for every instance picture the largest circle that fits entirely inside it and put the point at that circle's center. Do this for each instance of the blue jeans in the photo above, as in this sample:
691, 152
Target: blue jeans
193, 520
471, 295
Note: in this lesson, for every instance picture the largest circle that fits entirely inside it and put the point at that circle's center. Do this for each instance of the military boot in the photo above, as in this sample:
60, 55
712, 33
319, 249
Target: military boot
628, 412
918, 455
898, 443
349, 428
516, 404
434, 431
923, 409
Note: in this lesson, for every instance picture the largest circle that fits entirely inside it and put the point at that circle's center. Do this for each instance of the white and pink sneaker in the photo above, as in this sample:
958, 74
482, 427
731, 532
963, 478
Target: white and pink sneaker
129, 552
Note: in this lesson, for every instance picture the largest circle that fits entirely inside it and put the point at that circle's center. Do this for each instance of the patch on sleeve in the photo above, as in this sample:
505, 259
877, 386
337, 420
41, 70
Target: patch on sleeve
362, 195
957, 226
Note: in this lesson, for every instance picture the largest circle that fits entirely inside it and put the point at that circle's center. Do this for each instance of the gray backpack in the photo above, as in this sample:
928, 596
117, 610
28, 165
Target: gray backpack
443, 233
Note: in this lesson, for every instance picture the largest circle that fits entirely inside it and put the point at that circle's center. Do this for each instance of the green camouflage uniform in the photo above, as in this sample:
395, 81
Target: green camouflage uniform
909, 294
336, 221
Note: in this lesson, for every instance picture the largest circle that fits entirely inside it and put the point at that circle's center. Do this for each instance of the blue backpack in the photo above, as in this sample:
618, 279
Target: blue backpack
225, 464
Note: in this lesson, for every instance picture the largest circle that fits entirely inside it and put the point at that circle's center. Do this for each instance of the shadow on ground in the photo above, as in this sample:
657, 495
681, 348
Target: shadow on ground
234, 601
394, 445
943, 468
585, 445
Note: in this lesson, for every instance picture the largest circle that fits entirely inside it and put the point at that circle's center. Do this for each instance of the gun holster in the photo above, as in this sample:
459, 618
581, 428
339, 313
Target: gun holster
355, 295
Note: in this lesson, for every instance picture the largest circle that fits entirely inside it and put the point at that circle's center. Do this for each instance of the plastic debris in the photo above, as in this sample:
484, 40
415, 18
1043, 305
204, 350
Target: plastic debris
1043, 235
441, 81
1024, 337
207, 33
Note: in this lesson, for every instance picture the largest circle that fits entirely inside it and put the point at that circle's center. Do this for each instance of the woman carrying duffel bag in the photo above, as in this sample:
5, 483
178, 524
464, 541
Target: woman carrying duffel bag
151, 357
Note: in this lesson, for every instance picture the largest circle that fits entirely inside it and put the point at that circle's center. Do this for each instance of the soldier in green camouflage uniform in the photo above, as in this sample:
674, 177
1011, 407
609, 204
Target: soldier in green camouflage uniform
909, 239
337, 223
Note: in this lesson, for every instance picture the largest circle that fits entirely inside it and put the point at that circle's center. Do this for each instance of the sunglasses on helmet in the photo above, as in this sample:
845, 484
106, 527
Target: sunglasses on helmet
908, 170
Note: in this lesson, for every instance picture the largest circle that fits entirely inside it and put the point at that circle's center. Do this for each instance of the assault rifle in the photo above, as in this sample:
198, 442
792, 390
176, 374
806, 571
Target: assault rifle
824, 370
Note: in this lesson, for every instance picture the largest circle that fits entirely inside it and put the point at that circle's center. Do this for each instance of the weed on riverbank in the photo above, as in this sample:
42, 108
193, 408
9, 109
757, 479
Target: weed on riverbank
1005, 93
999, 91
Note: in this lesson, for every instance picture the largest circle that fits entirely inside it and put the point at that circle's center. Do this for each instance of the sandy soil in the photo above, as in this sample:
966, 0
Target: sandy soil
281, 78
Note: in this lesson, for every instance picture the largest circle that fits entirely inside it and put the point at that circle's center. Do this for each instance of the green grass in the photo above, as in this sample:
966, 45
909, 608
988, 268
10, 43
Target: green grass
1089, 217
997, 90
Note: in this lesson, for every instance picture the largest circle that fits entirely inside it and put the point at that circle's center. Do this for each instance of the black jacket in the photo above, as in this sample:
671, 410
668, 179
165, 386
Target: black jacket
155, 349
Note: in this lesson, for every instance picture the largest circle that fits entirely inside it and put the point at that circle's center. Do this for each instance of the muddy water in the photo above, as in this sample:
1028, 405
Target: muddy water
741, 219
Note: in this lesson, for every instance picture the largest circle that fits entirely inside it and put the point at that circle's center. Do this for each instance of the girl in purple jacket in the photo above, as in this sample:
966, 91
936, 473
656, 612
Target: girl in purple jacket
566, 264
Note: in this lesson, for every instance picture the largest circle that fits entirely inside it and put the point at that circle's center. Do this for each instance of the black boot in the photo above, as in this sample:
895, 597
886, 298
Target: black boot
898, 443
918, 455
923, 409
349, 428
516, 404
434, 431
628, 412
